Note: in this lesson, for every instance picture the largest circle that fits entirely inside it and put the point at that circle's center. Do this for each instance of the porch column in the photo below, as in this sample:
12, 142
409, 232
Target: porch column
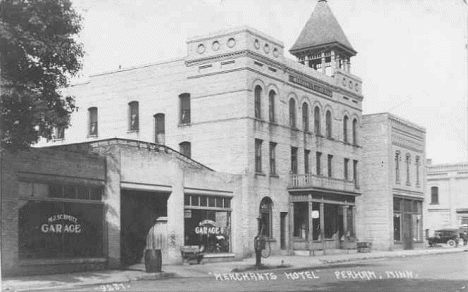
322, 225
345, 225
309, 214
291, 227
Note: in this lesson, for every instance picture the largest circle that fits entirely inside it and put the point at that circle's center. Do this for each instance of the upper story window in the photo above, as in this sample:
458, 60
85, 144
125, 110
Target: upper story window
345, 129
292, 113
272, 158
318, 163
355, 173
186, 149
271, 109
184, 108
59, 133
258, 102
93, 121
317, 125
330, 165
418, 164
346, 169
133, 116
397, 166
328, 122
266, 226
408, 162
160, 128
306, 161
294, 160
355, 126
305, 117
434, 195
258, 155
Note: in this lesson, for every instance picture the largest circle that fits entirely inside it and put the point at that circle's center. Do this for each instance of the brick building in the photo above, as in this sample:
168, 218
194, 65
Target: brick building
446, 202
393, 182
91, 206
238, 105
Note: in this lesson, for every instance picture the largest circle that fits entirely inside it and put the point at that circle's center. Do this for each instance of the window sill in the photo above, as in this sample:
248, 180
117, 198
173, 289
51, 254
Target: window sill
274, 175
184, 124
133, 131
92, 136
58, 139
259, 174
270, 239
434, 204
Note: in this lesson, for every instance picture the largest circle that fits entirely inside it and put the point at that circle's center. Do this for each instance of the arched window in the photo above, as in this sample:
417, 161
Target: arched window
328, 122
317, 125
184, 108
133, 116
258, 102
265, 224
93, 121
408, 174
271, 109
292, 113
434, 195
305, 116
160, 128
345, 129
355, 132
186, 149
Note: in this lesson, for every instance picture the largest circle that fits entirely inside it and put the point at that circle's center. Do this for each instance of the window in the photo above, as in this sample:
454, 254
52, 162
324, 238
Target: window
305, 117
328, 122
306, 161
355, 132
330, 165
355, 173
59, 133
258, 100
160, 129
345, 129
397, 219
435, 195
294, 160
301, 220
272, 158
186, 149
397, 166
346, 169
271, 110
208, 224
93, 121
418, 164
408, 162
266, 217
318, 167
292, 113
184, 108
258, 155
317, 121
133, 116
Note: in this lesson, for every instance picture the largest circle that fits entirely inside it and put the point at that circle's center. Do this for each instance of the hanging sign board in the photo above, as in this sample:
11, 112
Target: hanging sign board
315, 214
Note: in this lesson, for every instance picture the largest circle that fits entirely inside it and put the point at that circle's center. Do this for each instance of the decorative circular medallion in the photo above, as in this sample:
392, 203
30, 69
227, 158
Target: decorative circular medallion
344, 81
350, 84
356, 86
231, 42
276, 52
257, 44
201, 49
215, 46
266, 48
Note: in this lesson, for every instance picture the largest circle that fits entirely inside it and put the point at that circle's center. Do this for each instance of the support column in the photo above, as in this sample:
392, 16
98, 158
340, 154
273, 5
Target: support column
291, 227
309, 214
345, 226
322, 225
323, 63
333, 63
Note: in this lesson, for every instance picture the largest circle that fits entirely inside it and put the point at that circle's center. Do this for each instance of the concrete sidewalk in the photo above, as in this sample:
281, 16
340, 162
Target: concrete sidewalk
135, 273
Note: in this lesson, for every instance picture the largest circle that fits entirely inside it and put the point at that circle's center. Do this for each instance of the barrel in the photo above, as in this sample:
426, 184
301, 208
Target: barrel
153, 260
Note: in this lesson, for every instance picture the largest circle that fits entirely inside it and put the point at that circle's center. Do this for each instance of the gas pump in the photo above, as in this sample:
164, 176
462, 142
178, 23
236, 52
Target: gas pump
259, 243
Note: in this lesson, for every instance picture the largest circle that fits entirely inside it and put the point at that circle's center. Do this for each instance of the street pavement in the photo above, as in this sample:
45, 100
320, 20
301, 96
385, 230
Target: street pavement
114, 280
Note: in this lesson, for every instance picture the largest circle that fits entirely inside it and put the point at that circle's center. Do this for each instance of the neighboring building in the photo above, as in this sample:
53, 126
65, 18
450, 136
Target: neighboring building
238, 105
446, 203
91, 205
393, 182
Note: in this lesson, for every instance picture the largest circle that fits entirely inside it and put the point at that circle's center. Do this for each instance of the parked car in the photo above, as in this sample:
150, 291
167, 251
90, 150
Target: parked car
445, 236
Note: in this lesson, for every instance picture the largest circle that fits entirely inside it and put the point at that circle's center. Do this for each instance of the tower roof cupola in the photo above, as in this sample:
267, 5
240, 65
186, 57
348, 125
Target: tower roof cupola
323, 35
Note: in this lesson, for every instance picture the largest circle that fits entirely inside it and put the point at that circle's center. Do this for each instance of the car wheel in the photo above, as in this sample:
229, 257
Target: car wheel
451, 243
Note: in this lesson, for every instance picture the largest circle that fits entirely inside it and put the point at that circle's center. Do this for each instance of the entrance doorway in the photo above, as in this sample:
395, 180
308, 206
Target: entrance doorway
139, 211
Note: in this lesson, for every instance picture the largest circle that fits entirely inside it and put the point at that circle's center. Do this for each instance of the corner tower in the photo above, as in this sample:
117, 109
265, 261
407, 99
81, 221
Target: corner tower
322, 44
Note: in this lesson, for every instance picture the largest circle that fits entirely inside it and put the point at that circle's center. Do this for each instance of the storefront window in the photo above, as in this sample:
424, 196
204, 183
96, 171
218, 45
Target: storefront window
332, 219
210, 227
396, 220
350, 223
301, 220
316, 221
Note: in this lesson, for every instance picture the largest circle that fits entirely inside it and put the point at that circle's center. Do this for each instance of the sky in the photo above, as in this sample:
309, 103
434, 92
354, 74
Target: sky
412, 54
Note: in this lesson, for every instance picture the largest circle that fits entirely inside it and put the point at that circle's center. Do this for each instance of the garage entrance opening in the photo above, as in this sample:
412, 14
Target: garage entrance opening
139, 211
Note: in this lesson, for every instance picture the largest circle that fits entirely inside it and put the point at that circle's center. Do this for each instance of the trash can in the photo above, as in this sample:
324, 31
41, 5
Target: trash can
153, 260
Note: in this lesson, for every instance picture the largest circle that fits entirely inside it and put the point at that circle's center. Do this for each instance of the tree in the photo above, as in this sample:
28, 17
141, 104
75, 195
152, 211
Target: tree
39, 55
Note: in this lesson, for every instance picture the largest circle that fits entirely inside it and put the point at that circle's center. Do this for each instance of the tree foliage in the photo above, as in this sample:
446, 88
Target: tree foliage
38, 56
